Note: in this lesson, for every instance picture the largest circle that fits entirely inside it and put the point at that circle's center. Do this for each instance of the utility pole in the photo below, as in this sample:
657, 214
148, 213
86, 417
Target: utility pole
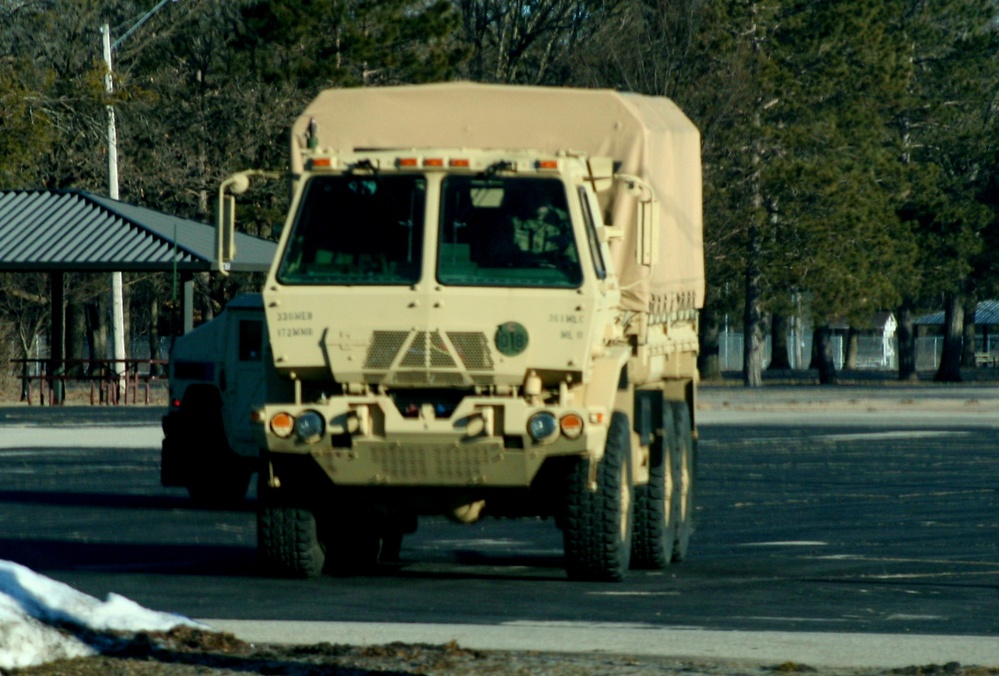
117, 293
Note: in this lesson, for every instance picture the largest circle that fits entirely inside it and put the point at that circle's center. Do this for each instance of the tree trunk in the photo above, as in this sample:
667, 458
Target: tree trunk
754, 322
97, 331
754, 330
906, 343
950, 360
814, 359
204, 281
969, 345
779, 360
824, 356
708, 361
852, 349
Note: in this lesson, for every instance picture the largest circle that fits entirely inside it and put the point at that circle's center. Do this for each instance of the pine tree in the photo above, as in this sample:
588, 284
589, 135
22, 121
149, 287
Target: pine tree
947, 140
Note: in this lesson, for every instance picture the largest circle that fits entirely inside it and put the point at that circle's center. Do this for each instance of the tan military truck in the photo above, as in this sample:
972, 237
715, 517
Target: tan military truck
484, 303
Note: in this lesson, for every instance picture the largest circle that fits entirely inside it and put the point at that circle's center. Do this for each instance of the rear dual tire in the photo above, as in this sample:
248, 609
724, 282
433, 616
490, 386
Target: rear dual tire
684, 481
655, 508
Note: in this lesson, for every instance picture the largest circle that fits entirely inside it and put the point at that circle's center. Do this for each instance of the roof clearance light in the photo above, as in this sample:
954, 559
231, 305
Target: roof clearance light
546, 165
282, 425
407, 162
433, 162
460, 163
320, 162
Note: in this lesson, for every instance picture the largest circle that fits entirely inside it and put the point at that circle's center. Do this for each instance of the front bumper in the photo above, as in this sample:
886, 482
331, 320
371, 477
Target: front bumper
483, 443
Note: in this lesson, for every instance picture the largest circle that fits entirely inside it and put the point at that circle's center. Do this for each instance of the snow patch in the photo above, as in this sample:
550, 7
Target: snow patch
39, 615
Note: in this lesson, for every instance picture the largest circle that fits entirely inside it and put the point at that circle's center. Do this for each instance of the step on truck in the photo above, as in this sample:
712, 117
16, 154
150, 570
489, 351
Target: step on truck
484, 303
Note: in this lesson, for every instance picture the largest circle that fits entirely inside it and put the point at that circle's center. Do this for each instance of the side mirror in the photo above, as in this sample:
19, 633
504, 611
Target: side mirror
647, 217
648, 232
225, 226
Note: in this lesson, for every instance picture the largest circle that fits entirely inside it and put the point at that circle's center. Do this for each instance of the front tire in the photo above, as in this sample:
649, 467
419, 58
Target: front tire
598, 522
288, 541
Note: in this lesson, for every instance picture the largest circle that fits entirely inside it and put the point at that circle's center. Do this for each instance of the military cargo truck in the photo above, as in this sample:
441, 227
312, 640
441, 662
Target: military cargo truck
484, 304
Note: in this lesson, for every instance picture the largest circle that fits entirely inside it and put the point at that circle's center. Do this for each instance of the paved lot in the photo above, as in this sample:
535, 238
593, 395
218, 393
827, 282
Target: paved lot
820, 510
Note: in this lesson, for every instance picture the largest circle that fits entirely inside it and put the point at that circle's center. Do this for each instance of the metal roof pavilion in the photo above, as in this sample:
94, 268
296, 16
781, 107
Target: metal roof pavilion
59, 231
75, 231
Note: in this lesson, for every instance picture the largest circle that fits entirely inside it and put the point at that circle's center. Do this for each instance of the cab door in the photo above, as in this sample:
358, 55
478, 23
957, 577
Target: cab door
243, 383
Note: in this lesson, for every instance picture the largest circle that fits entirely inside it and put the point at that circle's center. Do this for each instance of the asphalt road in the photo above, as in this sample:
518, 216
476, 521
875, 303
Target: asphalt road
859, 512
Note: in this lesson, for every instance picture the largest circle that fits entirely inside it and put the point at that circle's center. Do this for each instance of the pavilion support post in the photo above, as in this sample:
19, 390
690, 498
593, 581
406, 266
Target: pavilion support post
58, 338
187, 278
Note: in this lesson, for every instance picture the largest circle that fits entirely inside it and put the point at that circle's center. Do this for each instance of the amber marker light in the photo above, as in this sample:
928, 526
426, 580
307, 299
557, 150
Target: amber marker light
459, 163
282, 425
321, 163
433, 162
572, 425
547, 165
407, 162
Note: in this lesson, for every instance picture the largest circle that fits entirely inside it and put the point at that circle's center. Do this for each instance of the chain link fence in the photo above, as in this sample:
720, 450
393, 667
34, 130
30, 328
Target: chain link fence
873, 353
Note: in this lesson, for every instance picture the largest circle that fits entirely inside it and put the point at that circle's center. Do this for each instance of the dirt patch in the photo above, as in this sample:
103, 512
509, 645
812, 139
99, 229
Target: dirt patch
189, 652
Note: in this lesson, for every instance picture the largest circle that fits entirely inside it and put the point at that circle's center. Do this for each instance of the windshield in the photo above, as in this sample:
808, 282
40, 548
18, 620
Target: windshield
506, 232
357, 230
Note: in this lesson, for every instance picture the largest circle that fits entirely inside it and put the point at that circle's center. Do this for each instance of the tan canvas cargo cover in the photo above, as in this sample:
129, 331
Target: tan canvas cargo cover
649, 136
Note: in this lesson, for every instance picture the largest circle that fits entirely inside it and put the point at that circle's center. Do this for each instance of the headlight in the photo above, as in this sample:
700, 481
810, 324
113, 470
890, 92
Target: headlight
310, 426
542, 426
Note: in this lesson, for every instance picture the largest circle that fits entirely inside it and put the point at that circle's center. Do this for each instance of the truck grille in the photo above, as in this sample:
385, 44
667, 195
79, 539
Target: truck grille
429, 359
385, 345
427, 349
434, 464
473, 350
